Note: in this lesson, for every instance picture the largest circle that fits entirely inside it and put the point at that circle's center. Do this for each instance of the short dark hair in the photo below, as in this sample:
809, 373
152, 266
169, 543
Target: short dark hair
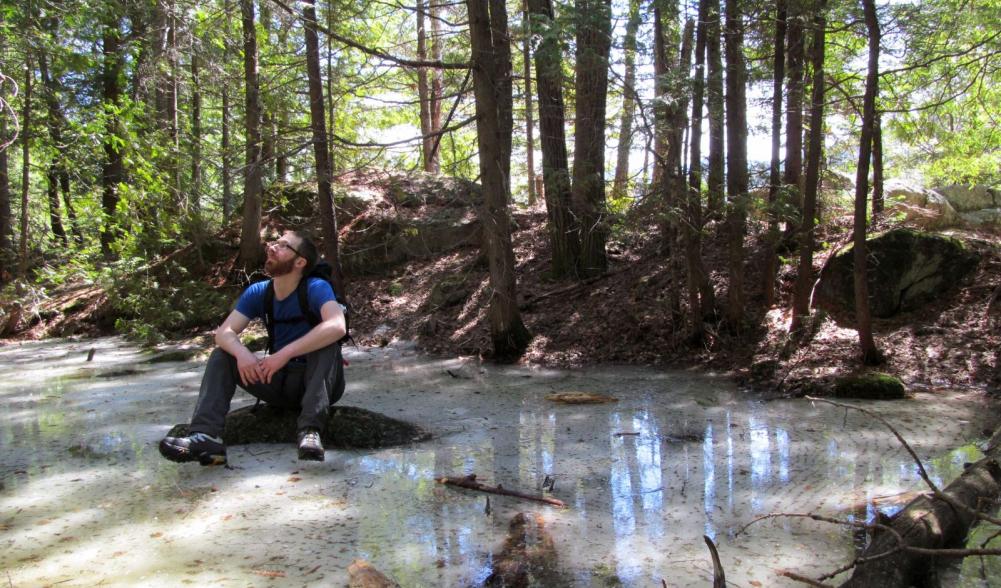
307, 250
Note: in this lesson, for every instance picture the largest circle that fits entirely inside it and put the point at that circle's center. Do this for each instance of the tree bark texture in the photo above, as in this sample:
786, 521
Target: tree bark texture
58, 175
701, 298
804, 273
29, 73
736, 147
494, 124
594, 28
621, 183
714, 101
328, 219
250, 237
863, 319
424, 91
564, 242
113, 166
437, 79
529, 122
224, 141
196, 136
795, 55
6, 228
774, 169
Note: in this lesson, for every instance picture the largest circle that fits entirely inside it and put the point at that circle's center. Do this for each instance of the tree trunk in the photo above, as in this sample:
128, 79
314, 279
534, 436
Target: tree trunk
328, 219
564, 242
437, 81
250, 240
196, 136
594, 24
795, 52
804, 274
59, 174
29, 74
863, 321
52, 191
113, 167
621, 183
6, 228
529, 123
424, 91
736, 144
224, 142
701, 298
877, 164
931, 523
492, 85
774, 170
714, 95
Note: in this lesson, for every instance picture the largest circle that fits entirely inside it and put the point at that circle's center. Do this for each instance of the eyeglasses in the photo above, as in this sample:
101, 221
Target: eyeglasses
284, 245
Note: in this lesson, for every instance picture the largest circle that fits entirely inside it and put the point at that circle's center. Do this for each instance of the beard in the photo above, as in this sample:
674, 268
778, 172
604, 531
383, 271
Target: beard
276, 268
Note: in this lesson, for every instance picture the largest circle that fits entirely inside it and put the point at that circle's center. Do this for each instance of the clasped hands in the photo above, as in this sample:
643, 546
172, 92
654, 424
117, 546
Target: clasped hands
260, 371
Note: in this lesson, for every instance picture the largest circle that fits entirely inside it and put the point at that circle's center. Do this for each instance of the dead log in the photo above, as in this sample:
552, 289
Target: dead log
469, 482
927, 522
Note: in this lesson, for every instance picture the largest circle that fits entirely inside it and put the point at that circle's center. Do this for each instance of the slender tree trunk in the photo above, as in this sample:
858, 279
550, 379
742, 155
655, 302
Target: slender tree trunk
794, 111
424, 90
736, 146
774, 170
804, 275
328, 220
714, 95
224, 141
564, 242
6, 228
620, 186
29, 74
492, 84
529, 123
113, 168
863, 320
877, 164
437, 80
54, 122
250, 240
701, 298
196, 136
594, 28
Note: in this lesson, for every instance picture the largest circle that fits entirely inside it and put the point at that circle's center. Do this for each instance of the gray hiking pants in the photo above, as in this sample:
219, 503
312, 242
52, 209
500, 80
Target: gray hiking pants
308, 386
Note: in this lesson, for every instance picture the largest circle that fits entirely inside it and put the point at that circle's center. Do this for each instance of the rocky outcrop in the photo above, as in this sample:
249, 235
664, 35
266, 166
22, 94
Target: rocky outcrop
347, 428
906, 270
921, 207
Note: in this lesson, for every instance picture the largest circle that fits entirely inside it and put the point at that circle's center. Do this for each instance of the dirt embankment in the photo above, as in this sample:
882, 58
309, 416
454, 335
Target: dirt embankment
437, 294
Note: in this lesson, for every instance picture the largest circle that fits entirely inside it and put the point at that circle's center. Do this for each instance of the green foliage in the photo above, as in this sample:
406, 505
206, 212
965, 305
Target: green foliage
154, 305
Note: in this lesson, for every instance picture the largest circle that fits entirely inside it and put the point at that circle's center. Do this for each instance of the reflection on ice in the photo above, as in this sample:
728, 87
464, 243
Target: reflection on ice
678, 456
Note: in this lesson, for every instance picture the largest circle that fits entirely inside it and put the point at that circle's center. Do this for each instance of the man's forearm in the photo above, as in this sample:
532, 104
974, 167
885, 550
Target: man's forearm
229, 341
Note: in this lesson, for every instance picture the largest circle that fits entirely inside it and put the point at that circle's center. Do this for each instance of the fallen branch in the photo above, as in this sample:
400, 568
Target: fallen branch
469, 482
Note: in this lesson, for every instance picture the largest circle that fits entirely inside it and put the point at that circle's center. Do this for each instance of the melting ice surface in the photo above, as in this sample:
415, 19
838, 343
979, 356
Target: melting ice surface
86, 499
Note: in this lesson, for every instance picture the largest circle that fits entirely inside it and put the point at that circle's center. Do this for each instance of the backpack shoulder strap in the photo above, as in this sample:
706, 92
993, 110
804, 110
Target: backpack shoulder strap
269, 314
302, 290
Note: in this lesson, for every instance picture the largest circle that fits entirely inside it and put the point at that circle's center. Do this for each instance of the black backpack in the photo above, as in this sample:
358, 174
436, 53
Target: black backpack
323, 271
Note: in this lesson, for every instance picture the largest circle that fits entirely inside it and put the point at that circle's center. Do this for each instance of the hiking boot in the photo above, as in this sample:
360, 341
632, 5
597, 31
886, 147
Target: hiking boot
310, 445
198, 447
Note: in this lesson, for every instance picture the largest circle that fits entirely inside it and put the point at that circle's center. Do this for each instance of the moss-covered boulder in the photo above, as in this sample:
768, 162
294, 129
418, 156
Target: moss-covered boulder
906, 269
348, 427
869, 386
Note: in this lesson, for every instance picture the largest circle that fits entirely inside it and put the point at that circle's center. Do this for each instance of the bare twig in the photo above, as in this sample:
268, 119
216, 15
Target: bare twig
470, 483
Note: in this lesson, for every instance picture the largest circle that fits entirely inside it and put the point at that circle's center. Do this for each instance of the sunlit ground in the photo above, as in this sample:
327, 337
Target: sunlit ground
86, 499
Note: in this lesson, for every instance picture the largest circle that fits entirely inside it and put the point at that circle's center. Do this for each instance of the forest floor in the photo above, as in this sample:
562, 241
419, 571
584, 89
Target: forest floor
623, 316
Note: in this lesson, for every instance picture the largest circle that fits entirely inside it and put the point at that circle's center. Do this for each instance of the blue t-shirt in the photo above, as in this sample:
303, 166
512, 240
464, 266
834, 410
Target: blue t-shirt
251, 305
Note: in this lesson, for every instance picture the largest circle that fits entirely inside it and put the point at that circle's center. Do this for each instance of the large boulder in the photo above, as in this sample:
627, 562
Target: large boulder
922, 207
906, 269
347, 428
965, 198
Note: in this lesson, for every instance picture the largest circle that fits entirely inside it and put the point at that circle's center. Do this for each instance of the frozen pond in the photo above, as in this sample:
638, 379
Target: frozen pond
86, 499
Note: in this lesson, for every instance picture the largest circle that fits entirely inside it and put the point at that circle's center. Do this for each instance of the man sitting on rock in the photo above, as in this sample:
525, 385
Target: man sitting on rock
299, 372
